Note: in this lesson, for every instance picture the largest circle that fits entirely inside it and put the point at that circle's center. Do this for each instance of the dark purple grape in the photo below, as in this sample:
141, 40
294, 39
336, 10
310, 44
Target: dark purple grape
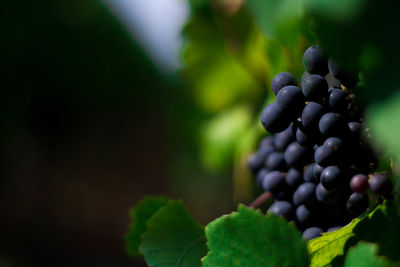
355, 129
297, 155
359, 183
260, 176
332, 178
311, 233
334, 228
256, 160
380, 185
305, 194
311, 114
348, 79
314, 60
325, 196
281, 80
282, 208
283, 139
314, 87
317, 170
290, 100
337, 100
357, 203
308, 174
304, 76
294, 178
303, 215
273, 120
275, 161
267, 141
329, 153
331, 124
274, 182
306, 137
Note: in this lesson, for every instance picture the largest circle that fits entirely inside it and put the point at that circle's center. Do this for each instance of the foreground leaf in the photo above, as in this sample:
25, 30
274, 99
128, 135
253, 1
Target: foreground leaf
250, 238
365, 254
173, 238
140, 214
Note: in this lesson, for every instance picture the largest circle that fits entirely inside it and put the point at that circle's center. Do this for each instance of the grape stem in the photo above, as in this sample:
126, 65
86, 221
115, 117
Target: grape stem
264, 197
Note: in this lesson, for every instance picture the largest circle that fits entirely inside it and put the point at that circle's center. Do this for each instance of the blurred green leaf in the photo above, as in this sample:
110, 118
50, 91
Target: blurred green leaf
365, 254
173, 238
249, 238
140, 214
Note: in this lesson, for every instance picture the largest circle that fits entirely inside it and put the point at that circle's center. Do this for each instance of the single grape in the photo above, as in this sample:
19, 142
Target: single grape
331, 178
267, 141
275, 161
334, 143
294, 178
304, 194
331, 124
325, 196
303, 215
357, 203
281, 80
311, 233
334, 228
329, 153
314, 87
311, 114
256, 160
283, 139
308, 174
290, 100
273, 120
337, 100
348, 79
274, 182
317, 170
297, 155
314, 60
305, 137
359, 183
380, 185
282, 208
260, 176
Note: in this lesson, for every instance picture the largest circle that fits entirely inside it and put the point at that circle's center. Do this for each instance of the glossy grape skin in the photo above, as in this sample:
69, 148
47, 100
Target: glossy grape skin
283, 139
311, 233
325, 196
331, 178
314, 60
380, 185
281, 80
274, 182
297, 155
273, 120
294, 178
290, 100
311, 115
305, 194
357, 203
337, 100
308, 174
303, 215
317, 170
275, 161
314, 87
355, 129
282, 208
359, 183
331, 124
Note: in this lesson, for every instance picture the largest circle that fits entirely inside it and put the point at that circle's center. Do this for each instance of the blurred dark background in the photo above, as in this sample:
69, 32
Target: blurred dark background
88, 127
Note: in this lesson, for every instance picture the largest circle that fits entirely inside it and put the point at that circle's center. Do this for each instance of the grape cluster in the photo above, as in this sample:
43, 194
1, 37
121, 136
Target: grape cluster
317, 164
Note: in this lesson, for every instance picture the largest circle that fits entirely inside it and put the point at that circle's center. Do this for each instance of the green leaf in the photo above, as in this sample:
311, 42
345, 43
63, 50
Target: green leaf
140, 214
324, 249
249, 238
365, 254
173, 238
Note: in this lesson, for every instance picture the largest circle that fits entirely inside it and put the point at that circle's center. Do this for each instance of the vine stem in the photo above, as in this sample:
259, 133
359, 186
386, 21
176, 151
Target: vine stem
264, 197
